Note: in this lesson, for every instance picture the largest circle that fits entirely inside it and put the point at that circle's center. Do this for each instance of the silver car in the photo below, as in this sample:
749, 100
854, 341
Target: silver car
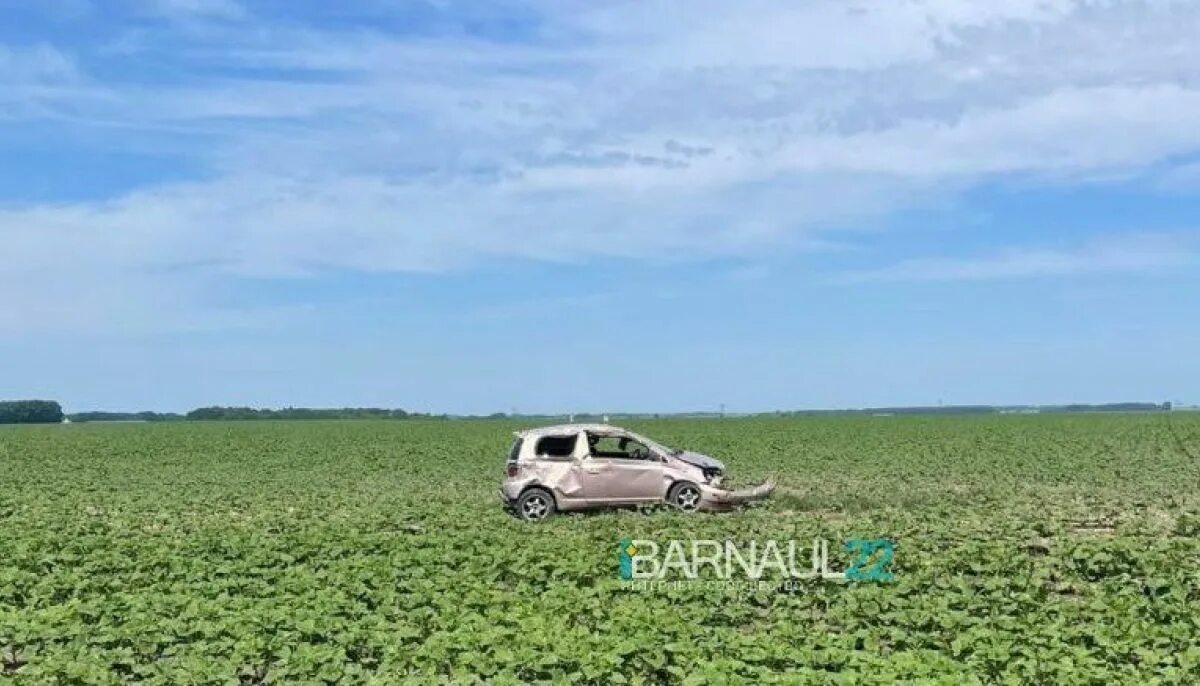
580, 466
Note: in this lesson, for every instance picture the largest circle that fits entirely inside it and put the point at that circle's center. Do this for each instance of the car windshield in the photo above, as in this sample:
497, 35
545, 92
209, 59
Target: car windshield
655, 445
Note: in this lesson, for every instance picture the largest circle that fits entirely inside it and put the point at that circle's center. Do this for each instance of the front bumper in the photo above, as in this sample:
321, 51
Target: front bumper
718, 499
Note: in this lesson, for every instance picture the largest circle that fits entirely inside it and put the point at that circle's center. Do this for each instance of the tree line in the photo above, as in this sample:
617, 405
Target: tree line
241, 413
30, 412
989, 409
225, 414
50, 412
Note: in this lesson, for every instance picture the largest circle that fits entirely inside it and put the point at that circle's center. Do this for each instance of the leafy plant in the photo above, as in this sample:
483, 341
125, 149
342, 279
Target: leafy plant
1052, 549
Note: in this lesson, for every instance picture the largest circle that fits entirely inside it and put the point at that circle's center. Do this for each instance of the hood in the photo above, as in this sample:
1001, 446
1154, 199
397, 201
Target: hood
699, 460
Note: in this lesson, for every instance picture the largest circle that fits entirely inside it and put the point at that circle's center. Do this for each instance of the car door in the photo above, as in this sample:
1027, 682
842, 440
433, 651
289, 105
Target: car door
619, 470
594, 475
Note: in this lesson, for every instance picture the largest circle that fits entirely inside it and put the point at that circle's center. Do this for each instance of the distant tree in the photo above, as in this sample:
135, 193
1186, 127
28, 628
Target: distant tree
125, 417
30, 412
241, 413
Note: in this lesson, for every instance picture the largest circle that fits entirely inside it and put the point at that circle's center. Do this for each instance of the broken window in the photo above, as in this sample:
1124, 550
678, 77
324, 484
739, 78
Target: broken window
618, 448
556, 446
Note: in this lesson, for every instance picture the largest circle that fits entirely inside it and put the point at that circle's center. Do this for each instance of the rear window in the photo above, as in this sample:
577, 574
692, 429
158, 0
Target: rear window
556, 446
515, 450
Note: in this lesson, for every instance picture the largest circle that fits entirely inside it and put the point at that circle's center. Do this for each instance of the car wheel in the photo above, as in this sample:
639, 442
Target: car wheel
535, 505
684, 495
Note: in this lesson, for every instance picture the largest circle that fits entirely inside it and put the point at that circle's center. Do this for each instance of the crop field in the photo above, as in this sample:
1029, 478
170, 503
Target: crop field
1028, 549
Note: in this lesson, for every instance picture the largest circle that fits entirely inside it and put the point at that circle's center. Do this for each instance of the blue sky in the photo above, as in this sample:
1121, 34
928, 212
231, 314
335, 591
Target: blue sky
574, 206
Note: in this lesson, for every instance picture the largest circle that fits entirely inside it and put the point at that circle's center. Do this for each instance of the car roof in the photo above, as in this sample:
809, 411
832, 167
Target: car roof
559, 429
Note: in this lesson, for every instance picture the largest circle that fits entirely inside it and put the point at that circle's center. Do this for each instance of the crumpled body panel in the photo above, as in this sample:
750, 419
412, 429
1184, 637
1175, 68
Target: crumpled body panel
560, 476
717, 499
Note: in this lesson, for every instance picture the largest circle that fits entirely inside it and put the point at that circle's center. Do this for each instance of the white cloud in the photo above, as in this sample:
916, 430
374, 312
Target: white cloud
646, 130
40, 63
35, 82
189, 9
1128, 254
1181, 178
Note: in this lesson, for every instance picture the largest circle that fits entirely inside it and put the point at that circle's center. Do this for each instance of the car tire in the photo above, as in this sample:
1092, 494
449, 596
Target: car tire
684, 496
535, 504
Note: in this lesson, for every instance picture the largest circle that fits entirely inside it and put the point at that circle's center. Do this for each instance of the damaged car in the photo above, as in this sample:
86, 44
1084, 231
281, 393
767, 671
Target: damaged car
582, 466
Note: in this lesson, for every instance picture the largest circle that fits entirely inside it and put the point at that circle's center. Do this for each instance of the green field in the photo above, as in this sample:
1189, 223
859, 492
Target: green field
1029, 549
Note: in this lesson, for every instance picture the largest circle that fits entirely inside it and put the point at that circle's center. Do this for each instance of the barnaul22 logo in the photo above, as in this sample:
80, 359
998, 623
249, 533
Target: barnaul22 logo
867, 559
